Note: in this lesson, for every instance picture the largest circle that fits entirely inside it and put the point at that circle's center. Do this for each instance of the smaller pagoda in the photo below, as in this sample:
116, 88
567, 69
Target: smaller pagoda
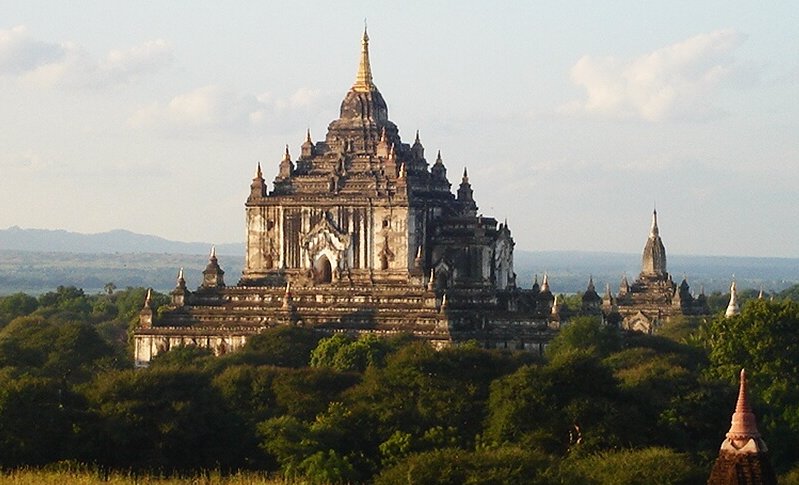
743, 457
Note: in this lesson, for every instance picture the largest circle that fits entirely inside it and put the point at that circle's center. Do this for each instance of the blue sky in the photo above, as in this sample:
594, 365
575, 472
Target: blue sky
573, 118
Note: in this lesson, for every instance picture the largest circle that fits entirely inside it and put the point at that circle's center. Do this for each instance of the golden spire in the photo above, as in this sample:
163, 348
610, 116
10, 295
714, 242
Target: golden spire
363, 81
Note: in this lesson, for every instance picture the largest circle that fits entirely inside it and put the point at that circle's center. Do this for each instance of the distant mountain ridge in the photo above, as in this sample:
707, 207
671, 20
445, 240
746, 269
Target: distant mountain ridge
38, 260
116, 241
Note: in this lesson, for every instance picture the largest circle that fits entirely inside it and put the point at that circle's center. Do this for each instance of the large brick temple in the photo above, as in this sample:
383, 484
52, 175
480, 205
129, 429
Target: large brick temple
360, 234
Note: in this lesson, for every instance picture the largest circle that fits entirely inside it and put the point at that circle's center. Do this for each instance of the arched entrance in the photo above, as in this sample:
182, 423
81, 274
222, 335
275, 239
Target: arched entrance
322, 270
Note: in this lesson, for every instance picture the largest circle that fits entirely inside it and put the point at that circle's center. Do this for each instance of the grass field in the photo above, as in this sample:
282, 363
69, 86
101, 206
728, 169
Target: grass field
77, 477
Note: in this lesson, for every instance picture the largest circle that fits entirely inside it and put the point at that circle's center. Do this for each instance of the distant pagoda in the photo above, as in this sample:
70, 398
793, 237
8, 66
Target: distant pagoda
653, 297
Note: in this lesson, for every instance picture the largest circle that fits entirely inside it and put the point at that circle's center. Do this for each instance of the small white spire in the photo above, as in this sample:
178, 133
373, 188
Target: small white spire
213, 251
732, 308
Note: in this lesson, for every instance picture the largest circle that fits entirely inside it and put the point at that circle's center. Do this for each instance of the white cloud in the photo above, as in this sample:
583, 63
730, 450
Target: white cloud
68, 64
20, 53
121, 65
674, 82
214, 107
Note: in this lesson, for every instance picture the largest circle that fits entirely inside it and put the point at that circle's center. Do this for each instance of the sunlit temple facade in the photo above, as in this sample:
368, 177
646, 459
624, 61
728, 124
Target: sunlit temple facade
361, 234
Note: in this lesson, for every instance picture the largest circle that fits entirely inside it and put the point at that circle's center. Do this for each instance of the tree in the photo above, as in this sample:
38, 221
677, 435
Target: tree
281, 346
164, 419
510, 465
16, 305
585, 334
572, 402
37, 420
345, 354
647, 466
435, 396
70, 351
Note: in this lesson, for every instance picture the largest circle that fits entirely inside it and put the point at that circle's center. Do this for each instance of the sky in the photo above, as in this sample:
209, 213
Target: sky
574, 118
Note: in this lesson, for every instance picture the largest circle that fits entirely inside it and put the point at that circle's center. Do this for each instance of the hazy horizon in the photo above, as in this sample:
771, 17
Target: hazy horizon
574, 119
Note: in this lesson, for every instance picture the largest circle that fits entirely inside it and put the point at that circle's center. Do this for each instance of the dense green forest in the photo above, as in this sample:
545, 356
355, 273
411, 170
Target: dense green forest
602, 406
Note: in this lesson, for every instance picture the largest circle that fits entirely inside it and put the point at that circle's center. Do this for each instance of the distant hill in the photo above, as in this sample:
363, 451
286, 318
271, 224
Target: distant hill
116, 241
36, 260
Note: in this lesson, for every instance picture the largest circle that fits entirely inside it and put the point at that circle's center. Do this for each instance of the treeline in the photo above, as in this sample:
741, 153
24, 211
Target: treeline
601, 407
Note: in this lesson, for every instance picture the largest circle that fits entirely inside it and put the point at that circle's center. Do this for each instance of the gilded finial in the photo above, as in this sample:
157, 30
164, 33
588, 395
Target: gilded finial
287, 155
258, 173
363, 81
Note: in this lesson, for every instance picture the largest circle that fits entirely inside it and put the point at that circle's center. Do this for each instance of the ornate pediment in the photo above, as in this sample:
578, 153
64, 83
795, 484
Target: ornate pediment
325, 235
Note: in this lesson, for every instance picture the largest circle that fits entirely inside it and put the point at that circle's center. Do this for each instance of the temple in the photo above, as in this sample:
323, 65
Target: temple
743, 458
360, 234
653, 297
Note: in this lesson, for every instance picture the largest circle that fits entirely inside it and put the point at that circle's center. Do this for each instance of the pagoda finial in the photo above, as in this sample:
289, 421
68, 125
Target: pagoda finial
180, 276
465, 175
258, 173
213, 252
308, 136
545, 283
654, 231
287, 155
363, 81
438, 158
417, 137
744, 425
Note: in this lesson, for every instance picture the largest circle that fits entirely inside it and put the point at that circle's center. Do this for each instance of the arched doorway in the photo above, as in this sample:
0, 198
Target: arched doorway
322, 270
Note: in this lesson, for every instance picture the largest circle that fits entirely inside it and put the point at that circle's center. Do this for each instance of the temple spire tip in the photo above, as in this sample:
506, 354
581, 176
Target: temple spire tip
363, 80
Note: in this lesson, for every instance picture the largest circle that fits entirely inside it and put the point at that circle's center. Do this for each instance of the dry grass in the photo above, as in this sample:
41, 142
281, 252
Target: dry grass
86, 477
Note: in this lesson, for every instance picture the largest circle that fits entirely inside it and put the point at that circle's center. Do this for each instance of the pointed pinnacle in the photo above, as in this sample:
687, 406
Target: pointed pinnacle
744, 425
